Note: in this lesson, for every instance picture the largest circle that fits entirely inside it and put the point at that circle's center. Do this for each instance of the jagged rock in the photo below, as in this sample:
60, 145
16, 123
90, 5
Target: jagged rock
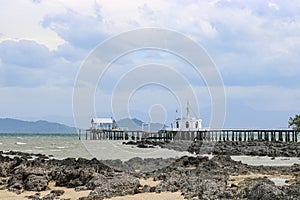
116, 186
80, 188
73, 178
260, 188
16, 187
196, 177
50, 196
35, 196
146, 188
58, 192
36, 183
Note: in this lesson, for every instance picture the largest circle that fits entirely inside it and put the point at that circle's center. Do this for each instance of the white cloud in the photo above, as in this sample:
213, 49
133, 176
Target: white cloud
273, 6
26, 63
254, 44
22, 20
79, 30
25, 53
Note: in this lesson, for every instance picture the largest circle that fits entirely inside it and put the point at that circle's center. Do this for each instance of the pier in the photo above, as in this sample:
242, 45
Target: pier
205, 135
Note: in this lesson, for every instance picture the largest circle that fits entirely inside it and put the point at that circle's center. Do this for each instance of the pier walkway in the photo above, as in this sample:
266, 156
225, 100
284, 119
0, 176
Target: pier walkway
207, 135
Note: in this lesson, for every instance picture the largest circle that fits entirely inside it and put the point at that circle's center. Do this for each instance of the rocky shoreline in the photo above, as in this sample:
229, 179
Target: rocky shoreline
195, 177
250, 148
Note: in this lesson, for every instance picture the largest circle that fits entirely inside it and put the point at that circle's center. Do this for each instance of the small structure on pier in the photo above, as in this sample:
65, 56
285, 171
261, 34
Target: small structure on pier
103, 123
187, 123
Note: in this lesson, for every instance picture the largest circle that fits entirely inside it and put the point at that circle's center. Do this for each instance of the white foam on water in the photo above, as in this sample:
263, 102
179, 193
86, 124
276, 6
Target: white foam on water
55, 150
60, 147
20, 143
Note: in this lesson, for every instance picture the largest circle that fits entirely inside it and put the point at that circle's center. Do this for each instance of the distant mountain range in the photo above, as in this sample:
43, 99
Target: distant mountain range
19, 126
136, 124
8, 125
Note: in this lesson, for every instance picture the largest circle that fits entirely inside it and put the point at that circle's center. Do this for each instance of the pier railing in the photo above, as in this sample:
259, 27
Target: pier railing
207, 135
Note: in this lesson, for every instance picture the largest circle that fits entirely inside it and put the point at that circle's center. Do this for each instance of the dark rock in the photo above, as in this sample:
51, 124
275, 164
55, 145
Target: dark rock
116, 186
34, 197
260, 188
146, 188
73, 178
3, 181
50, 196
57, 192
293, 190
36, 183
16, 187
80, 188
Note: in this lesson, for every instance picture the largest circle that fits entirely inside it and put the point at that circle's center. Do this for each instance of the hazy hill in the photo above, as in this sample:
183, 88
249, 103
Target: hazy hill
19, 126
8, 125
136, 124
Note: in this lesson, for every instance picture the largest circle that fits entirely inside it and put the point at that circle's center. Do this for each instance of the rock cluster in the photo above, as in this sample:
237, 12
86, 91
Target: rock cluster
251, 148
80, 174
196, 177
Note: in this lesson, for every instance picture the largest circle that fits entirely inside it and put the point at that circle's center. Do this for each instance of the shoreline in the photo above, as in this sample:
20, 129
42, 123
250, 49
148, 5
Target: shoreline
185, 177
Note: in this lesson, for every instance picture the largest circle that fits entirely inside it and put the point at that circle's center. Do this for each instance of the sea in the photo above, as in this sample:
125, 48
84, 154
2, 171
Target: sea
61, 146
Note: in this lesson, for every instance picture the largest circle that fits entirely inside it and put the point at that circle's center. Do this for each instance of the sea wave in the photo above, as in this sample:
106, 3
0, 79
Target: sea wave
55, 150
60, 147
20, 143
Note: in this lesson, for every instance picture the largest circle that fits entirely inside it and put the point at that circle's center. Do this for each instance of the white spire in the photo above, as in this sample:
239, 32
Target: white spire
188, 110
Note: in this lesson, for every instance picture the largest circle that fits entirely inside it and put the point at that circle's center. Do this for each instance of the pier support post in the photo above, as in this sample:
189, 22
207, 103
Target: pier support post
227, 136
280, 136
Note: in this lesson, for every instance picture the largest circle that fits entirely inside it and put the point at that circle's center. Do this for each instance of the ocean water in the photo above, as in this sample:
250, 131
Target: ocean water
58, 145
61, 146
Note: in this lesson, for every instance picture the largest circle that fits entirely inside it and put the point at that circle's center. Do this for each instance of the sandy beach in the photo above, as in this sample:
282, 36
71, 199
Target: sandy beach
37, 176
69, 193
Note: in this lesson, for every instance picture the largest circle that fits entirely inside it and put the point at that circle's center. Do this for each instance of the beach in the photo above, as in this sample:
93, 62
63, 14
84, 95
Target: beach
63, 167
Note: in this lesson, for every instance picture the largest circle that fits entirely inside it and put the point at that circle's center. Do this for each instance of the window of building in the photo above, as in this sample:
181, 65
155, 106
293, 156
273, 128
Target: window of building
196, 125
187, 124
177, 124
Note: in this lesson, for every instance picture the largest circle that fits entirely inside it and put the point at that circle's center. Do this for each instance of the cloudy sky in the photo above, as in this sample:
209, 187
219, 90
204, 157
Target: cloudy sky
255, 46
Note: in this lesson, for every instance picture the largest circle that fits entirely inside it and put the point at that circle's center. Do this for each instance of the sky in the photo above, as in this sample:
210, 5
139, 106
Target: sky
255, 46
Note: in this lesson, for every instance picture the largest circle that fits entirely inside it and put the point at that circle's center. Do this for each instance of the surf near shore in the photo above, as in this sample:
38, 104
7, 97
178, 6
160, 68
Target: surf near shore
37, 176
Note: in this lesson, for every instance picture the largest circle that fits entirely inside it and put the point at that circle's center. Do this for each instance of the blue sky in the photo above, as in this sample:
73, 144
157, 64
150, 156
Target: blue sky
254, 44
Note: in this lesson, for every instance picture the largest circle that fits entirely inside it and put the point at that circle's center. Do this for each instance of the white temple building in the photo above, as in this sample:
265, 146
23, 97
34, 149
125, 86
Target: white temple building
187, 123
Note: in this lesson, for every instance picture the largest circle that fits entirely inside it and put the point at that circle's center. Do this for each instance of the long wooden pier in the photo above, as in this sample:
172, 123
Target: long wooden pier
207, 135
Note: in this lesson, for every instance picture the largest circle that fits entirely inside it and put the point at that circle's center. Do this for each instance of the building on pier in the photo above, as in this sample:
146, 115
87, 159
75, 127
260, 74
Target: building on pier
103, 123
187, 123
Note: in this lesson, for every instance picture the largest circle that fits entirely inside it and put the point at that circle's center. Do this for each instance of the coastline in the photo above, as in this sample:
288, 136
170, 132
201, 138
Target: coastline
39, 177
